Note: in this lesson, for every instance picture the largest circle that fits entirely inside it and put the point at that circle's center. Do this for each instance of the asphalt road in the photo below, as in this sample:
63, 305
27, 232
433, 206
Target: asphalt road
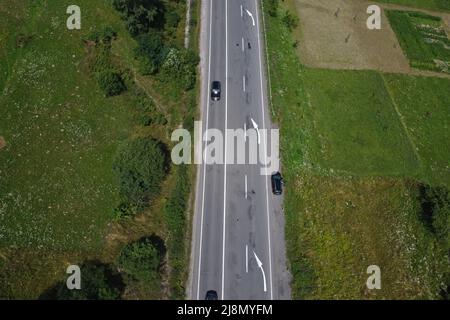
238, 224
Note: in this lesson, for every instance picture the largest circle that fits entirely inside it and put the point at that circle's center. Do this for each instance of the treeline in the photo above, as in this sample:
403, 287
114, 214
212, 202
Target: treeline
153, 23
138, 268
434, 212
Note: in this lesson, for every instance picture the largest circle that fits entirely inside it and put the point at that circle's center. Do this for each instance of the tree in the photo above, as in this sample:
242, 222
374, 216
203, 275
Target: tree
141, 261
141, 166
98, 282
140, 15
151, 52
111, 83
181, 64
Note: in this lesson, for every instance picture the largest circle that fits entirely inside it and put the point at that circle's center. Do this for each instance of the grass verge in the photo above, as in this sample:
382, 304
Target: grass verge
355, 156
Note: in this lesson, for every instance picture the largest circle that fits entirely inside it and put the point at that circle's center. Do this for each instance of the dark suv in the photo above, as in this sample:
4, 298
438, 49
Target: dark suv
277, 183
215, 90
211, 295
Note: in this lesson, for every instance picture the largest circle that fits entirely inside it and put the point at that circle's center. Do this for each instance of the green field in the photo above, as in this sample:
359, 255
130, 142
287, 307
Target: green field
423, 39
423, 104
58, 190
357, 149
353, 118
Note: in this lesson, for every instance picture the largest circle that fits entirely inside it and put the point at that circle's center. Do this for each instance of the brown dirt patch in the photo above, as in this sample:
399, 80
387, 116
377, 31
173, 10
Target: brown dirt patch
2, 142
334, 35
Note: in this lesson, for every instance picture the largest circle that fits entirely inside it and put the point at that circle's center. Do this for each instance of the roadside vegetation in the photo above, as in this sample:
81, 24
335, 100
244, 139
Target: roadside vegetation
423, 39
365, 159
85, 135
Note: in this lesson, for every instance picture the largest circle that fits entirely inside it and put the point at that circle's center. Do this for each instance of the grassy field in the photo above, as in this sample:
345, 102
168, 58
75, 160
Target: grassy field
423, 105
353, 118
423, 39
424, 4
58, 191
354, 151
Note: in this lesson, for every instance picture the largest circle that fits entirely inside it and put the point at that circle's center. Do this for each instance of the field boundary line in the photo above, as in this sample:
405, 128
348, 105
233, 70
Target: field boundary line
402, 121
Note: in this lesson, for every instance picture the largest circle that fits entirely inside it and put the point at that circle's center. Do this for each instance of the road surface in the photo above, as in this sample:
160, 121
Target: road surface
238, 227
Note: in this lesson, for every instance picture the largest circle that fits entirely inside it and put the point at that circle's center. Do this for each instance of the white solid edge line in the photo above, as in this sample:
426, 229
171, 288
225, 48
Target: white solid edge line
225, 156
246, 258
245, 131
246, 188
265, 145
204, 162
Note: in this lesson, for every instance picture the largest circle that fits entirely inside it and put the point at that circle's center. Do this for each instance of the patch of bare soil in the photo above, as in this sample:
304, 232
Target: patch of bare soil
2, 142
334, 35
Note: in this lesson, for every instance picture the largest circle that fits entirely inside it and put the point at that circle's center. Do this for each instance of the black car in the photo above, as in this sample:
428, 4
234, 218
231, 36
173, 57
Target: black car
277, 182
215, 90
211, 295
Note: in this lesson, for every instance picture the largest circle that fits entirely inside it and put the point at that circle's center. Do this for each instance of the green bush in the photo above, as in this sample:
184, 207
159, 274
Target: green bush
141, 261
290, 20
172, 19
98, 282
272, 7
141, 166
111, 83
181, 65
140, 15
435, 211
151, 52
108, 34
105, 36
147, 66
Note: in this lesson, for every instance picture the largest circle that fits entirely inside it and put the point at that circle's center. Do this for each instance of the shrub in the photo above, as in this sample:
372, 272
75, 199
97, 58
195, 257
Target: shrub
290, 20
108, 34
98, 282
172, 19
94, 36
181, 64
435, 211
147, 66
141, 166
140, 261
151, 52
272, 7
140, 15
111, 83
